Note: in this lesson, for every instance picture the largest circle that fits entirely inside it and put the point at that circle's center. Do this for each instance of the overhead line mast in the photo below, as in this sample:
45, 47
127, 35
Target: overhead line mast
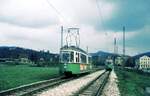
124, 59
124, 41
62, 36
115, 45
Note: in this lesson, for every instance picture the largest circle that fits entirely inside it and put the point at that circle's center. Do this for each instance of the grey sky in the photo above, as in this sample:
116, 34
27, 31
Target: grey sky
34, 24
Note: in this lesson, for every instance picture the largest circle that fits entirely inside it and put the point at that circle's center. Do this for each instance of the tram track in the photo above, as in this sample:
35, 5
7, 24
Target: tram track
37, 87
29, 89
95, 87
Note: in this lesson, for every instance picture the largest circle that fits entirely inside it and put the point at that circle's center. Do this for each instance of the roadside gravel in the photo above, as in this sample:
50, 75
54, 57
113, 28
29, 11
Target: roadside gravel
71, 87
111, 88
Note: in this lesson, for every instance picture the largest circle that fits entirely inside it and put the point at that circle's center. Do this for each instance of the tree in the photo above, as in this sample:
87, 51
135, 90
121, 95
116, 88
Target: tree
130, 62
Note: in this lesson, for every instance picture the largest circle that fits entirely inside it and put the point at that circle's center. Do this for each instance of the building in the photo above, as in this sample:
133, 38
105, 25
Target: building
24, 61
119, 61
143, 62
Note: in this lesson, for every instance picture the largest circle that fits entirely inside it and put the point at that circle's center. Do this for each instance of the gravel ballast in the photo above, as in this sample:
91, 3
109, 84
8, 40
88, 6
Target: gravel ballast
111, 88
71, 87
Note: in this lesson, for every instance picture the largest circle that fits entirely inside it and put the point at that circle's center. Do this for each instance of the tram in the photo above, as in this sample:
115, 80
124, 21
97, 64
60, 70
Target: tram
109, 64
74, 60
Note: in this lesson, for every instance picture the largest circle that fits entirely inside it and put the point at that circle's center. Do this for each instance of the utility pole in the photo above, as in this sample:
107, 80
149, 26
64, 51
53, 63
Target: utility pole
62, 36
115, 45
123, 46
87, 49
115, 42
124, 41
60, 58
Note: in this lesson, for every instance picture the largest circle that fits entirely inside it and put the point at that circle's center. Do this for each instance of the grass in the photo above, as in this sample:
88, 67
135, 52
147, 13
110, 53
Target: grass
132, 83
13, 76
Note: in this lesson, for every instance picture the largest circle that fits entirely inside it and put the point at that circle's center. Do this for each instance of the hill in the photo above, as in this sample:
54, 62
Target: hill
142, 54
102, 54
100, 57
33, 55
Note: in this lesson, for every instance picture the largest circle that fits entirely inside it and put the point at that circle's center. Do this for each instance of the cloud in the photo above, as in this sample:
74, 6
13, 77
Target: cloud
39, 39
34, 24
48, 38
134, 14
141, 40
28, 13
136, 41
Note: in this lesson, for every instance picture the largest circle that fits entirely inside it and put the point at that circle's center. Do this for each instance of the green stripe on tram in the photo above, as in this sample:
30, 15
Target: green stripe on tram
74, 67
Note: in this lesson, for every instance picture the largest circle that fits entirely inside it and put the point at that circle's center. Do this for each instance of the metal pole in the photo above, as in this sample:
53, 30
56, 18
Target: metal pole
115, 46
114, 50
123, 45
61, 36
123, 40
87, 49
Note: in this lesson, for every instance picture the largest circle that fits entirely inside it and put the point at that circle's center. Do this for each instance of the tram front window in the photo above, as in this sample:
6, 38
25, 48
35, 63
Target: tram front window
65, 57
83, 58
90, 60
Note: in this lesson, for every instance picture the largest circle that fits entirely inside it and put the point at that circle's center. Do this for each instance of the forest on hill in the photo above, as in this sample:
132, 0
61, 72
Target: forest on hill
13, 53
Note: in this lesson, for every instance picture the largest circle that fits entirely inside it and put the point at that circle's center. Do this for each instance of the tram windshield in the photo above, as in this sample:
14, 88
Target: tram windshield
67, 57
90, 60
83, 58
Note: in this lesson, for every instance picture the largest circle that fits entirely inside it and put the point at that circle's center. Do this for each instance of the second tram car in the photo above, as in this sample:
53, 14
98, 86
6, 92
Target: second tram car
109, 64
74, 60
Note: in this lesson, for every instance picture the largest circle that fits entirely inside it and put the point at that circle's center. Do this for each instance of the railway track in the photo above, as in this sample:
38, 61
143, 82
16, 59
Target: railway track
95, 87
30, 89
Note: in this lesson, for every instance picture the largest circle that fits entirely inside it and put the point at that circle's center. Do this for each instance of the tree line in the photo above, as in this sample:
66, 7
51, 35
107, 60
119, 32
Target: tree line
39, 58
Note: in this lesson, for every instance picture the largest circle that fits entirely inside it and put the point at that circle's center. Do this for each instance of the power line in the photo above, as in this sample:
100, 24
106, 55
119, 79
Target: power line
51, 5
100, 15
102, 22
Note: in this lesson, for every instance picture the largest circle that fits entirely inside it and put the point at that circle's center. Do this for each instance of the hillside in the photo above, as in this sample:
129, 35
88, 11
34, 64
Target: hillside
100, 57
34, 56
102, 54
142, 54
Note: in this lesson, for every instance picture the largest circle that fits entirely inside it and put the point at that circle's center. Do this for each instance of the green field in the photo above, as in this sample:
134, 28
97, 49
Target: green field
132, 83
13, 76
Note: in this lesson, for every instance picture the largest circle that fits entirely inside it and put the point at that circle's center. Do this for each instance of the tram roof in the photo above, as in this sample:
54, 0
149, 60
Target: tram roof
73, 48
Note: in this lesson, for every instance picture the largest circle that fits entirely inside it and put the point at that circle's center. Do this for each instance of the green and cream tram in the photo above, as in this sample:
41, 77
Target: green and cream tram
74, 60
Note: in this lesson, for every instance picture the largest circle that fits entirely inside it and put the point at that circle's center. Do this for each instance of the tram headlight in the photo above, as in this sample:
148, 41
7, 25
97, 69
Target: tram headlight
65, 65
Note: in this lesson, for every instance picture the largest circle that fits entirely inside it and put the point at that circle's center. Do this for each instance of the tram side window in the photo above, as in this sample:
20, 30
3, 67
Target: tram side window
65, 57
83, 58
77, 57
72, 57
90, 59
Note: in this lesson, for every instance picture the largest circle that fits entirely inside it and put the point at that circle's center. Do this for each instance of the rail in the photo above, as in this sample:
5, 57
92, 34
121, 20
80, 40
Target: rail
33, 87
95, 87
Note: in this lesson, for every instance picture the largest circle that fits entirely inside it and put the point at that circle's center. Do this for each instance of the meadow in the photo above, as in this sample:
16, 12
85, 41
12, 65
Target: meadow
14, 76
131, 83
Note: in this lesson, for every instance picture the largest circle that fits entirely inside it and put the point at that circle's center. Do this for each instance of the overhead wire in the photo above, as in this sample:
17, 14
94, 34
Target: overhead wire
100, 15
99, 8
52, 6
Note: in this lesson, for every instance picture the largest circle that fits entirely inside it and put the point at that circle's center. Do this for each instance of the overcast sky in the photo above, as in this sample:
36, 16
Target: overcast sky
36, 24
